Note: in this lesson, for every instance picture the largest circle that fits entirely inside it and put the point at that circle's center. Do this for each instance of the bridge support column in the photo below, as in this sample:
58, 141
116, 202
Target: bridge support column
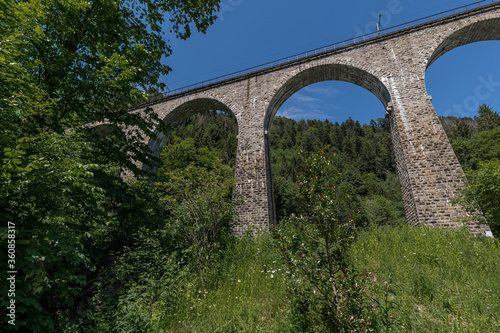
428, 168
252, 180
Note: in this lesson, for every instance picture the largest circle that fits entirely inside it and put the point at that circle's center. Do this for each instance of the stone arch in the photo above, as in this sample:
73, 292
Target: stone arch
475, 32
179, 114
325, 72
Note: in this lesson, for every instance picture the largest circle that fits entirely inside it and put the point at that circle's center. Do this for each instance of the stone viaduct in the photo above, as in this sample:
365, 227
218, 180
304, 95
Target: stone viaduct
391, 64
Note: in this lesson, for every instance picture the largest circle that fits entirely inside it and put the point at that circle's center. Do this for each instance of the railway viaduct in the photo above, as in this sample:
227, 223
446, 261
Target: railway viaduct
391, 64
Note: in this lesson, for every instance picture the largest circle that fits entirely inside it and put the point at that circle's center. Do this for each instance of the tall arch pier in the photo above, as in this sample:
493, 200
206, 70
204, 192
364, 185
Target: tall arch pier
392, 66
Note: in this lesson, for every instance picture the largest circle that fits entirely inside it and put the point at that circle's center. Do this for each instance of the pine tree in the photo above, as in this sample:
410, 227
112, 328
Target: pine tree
488, 119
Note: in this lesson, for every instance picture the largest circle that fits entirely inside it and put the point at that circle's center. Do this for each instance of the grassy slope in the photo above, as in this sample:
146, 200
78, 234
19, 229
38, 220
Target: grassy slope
247, 293
430, 280
426, 280
442, 280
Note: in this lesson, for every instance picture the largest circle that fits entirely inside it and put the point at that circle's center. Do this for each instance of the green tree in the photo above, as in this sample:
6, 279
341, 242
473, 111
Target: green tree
20, 96
88, 70
481, 194
180, 153
484, 146
64, 64
56, 212
287, 164
461, 147
214, 130
70, 215
487, 119
184, 169
462, 129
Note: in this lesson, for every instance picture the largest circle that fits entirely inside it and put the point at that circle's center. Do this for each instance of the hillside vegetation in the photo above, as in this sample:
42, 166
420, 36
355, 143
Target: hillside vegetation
160, 257
88, 251
414, 279
476, 143
421, 280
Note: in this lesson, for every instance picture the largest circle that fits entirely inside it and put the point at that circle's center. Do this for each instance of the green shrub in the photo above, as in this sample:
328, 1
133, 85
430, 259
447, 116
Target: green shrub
328, 291
481, 194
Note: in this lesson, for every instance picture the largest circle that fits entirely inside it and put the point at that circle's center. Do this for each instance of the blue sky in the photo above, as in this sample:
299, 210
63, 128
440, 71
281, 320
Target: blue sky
252, 32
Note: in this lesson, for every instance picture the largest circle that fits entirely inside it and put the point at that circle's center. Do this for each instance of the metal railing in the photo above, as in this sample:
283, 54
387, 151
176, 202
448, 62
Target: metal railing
324, 50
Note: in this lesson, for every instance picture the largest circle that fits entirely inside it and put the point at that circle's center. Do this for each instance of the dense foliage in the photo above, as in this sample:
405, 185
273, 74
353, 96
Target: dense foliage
63, 65
477, 145
364, 159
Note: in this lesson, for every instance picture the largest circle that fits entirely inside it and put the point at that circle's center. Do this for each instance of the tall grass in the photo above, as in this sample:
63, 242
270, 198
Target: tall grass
431, 279
246, 292
424, 280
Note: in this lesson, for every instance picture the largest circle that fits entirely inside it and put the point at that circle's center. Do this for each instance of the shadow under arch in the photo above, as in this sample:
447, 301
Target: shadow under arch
326, 72
475, 32
178, 115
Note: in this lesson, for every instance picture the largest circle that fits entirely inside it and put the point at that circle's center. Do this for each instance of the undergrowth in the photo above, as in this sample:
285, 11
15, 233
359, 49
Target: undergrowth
246, 293
423, 280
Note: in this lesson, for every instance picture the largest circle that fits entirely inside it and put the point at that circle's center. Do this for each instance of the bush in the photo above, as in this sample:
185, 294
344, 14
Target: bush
328, 293
482, 194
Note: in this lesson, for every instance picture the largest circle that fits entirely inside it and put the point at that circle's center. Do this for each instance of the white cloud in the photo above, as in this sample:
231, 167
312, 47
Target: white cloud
298, 113
304, 98
313, 102
322, 90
